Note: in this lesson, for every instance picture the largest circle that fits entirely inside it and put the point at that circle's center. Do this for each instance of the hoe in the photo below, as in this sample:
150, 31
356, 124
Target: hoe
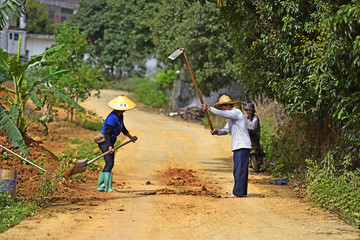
181, 52
80, 165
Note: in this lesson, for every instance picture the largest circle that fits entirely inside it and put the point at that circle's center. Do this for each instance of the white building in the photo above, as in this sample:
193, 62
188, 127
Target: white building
38, 43
31, 44
34, 44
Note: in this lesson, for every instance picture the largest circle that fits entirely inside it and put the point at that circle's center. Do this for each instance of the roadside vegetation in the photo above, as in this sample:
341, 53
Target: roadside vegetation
13, 211
154, 91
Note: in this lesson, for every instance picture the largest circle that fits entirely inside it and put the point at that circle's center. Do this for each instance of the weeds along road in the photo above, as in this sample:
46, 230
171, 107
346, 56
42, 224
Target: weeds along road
150, 205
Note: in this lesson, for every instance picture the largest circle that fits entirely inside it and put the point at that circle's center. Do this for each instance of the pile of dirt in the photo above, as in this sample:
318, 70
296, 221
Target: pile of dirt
28, 176
178, 177
181, 177
42, 153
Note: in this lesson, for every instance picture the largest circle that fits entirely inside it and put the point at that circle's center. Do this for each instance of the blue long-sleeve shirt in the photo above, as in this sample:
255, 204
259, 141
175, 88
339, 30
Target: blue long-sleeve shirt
112, 128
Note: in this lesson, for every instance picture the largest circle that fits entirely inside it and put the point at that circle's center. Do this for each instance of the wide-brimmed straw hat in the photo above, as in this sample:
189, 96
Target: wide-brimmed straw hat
224, 99
121, 103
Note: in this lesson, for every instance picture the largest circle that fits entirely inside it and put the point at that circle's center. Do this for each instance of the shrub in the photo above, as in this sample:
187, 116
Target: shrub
12, 212
336, 190
46, 188
89, 120
147, 91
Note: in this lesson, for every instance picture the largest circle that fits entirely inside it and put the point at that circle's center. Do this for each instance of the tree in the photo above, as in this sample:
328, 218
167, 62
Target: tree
305, 54
82, 78
197, 28
11, 9
37, 18
118, 32
14, 120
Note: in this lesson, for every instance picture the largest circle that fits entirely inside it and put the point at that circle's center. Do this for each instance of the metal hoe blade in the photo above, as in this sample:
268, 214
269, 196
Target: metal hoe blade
80, 165
176, 54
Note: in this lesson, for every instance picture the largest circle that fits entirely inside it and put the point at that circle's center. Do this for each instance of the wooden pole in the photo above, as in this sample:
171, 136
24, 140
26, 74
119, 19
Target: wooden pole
197, 89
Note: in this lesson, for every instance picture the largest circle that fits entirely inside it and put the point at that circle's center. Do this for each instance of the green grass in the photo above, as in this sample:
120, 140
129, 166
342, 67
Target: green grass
12, 212
89, 120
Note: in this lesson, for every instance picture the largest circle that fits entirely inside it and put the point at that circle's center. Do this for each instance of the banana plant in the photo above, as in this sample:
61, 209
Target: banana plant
11, 9
14, 120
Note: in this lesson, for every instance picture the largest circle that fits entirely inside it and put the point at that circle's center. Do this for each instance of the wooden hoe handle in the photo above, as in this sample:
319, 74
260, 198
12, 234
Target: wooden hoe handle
105, 153
197, 89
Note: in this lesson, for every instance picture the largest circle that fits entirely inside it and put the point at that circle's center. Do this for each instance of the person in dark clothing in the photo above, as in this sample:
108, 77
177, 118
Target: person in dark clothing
254, 127
112, 127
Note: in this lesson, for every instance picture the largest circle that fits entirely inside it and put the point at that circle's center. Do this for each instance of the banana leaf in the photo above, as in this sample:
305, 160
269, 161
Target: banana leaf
12, 132
64, 98
11, 9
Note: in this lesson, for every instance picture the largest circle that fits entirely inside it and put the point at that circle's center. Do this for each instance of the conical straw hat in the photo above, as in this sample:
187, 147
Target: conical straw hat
121, 103
224, 99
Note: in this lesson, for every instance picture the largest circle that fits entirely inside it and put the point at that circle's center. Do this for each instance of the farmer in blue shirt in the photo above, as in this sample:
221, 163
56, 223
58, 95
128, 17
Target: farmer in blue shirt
112, 127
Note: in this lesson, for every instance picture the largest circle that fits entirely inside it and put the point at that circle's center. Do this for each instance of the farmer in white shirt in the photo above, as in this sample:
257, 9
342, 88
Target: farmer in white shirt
240, 141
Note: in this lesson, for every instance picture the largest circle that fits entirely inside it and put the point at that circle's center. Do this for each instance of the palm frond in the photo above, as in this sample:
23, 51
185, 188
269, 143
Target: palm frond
12, 132
11, 9
34, 98
64, 98
4, 58
14, 113
49, 77
2, 108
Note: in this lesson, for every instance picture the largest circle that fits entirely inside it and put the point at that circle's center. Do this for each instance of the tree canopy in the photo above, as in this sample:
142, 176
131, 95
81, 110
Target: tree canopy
198, 29
122, 34
303, 53
37, 18
118, 32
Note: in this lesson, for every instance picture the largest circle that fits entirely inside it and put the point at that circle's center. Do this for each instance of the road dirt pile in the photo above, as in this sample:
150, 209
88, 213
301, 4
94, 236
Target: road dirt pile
29, 177
186, 183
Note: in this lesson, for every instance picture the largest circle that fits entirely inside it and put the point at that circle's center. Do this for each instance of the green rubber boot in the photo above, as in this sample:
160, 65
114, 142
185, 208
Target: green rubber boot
108, 181
101, 182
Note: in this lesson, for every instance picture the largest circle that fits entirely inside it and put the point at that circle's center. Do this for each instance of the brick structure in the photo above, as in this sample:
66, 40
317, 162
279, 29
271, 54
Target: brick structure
60, 10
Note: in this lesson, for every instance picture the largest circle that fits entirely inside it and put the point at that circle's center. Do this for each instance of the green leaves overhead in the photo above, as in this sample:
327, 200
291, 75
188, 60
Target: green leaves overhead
11, 9
303, 53
123, 34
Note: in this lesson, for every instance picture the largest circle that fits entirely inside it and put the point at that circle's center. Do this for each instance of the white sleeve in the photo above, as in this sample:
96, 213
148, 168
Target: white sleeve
225, 130
230, 114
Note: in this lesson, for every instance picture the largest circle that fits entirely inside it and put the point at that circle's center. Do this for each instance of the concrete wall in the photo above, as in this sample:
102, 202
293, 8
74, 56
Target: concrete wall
183, 93
37, 44
13, 37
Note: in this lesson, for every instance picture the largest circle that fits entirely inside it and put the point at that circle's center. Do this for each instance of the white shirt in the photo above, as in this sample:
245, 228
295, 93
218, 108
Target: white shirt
237, 125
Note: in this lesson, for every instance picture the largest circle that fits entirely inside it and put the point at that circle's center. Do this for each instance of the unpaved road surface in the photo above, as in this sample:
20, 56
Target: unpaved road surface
152, 205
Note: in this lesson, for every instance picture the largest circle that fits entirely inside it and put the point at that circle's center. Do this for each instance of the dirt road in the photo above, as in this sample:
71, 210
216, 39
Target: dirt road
151, 204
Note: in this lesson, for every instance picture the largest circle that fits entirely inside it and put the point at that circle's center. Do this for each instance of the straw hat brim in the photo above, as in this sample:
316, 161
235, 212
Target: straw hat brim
216, 105
121, 103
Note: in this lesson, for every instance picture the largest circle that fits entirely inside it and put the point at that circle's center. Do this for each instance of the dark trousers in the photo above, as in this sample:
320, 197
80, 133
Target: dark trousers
241, 171
109, 158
